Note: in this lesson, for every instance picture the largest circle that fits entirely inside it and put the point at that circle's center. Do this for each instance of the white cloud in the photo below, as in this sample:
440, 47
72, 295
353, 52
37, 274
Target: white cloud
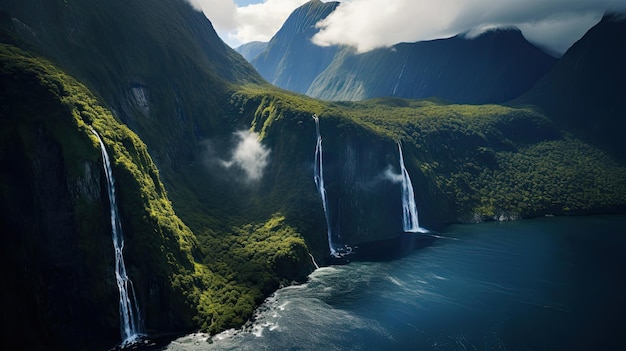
559, 34
241, 24
222, 13
368, 24
391, 176
249, 155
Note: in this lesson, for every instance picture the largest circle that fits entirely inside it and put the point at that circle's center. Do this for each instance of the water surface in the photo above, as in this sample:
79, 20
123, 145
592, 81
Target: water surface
543, 284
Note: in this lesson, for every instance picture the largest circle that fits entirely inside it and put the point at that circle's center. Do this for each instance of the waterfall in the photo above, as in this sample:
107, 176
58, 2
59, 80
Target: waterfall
313, 260
410, 221
399, 77
318, 176
131, 324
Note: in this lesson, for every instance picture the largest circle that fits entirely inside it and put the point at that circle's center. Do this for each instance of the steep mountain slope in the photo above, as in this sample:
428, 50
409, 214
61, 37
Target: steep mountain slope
57, 254
58, 259
164, 72
585, 91
251, 50
291, 61
496, 66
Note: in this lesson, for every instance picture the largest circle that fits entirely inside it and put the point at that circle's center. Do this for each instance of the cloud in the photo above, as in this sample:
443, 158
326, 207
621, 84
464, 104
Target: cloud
222, 13
391, 176
369, 24
249, 156
241, 24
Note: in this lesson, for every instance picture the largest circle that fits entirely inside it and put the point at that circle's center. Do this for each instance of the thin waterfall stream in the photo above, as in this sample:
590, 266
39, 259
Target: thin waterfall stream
131, 323
318, 176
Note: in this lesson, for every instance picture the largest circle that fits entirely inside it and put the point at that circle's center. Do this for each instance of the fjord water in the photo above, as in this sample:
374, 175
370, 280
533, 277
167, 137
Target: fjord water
543, 284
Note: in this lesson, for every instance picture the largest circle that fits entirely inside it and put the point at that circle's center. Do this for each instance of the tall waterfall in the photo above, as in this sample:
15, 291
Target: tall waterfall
318, 176
131, 324
410, 221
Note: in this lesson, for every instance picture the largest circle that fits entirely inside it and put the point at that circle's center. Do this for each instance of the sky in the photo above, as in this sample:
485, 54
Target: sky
367, 24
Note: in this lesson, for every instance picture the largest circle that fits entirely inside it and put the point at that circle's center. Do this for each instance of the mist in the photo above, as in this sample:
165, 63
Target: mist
246, 161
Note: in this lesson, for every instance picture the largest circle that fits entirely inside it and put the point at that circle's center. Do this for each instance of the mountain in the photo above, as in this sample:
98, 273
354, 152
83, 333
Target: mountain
291, 61
496, 66
251, 50
162, 71
584, 93
214, 169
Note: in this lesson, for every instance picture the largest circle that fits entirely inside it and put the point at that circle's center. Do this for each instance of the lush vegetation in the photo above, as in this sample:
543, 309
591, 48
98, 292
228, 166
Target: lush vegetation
208, 257
217, 284
475, 162
496, 162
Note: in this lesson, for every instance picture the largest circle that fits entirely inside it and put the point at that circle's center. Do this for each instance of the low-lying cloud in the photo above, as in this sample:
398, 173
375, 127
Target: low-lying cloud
249, 155
369, 24
246, 162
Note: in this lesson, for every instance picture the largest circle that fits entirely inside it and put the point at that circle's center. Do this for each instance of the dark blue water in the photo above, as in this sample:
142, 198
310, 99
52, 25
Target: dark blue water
544, 284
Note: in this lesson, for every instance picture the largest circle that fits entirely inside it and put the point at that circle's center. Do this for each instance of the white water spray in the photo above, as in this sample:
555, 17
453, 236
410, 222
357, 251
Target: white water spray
318, 176
131, 324
410, 221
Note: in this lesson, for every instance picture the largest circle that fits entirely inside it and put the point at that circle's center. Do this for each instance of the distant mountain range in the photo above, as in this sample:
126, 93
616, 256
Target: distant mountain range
290, 60
496, 66
251, 50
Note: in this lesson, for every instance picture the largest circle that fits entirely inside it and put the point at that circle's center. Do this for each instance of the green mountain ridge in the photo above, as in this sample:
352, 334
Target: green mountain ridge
206, 259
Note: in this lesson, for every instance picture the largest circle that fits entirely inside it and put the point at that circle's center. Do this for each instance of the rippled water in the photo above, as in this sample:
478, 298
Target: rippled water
544, 284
